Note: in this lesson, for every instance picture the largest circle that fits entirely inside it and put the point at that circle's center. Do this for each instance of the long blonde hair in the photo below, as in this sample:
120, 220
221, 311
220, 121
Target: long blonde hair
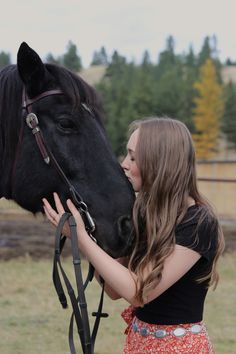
165, 156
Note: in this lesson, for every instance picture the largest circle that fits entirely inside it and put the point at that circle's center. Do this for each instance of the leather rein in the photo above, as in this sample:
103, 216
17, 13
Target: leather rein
79, 305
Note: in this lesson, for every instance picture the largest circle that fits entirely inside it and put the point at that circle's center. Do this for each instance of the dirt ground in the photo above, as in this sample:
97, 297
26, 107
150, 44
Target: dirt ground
23, 234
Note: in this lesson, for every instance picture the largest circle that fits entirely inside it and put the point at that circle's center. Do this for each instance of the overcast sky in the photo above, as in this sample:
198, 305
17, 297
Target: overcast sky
130, 26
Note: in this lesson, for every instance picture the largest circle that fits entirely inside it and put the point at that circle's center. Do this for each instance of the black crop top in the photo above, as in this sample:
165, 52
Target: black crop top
183, 302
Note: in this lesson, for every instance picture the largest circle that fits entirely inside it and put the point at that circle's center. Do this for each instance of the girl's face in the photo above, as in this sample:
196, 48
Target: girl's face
129, 164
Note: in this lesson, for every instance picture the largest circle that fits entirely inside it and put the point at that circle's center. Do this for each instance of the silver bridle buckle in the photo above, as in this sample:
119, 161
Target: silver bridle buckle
32, 120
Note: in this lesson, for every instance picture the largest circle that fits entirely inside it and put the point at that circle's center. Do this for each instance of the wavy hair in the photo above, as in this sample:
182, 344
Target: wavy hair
165, 156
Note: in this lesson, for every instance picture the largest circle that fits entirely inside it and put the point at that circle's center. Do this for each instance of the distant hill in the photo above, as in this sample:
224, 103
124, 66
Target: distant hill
228, 73
93, 74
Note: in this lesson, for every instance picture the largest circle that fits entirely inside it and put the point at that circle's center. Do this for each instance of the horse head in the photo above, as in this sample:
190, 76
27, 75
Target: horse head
71, 124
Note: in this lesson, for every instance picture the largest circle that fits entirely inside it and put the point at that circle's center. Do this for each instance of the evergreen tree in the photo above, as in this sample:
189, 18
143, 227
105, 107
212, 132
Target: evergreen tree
229, 117
208, 111
100, 57
205, 53
190, 75
168, 86
116, 66
71, 60
115, 88
169, 93
52, 60
5, 59
167, 58
141, 99
146, 61
209, 51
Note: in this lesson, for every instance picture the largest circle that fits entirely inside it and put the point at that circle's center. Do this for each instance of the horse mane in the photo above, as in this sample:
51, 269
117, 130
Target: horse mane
10, 113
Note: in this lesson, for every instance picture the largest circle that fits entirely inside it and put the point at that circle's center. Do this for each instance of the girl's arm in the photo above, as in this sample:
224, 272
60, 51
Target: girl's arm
108, 290
116, 275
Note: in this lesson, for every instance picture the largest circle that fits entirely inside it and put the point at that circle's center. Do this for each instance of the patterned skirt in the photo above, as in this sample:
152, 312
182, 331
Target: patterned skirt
189, 343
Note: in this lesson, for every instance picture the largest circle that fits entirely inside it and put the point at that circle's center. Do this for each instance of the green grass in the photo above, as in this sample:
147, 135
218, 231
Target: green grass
33, 322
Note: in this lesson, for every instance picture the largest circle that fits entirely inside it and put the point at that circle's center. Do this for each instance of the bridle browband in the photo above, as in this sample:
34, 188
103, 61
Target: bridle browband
78, 303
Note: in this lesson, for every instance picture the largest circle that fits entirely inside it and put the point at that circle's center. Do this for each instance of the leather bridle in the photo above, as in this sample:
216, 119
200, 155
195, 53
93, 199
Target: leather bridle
79, 305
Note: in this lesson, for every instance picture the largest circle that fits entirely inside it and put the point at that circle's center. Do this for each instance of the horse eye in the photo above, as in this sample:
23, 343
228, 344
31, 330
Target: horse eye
66, 124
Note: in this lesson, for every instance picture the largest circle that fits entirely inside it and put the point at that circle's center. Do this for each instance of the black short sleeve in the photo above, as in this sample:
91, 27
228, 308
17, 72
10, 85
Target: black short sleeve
198, 236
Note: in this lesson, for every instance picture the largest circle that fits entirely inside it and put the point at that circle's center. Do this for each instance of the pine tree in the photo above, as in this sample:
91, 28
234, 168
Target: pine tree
115, 88
71, 60
208, 111
5, 59
229, 118
52, 60
205, 53
169, 76
100, 57
167, 58
190, 75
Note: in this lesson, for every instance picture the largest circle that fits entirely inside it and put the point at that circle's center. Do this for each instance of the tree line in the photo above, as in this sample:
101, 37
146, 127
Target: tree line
185, 86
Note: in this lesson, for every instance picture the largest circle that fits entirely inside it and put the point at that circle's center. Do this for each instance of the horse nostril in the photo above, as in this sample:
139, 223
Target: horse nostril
126, 235
124, 226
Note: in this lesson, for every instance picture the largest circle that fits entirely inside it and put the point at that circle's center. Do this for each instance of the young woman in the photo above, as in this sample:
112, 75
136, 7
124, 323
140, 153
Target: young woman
178, 241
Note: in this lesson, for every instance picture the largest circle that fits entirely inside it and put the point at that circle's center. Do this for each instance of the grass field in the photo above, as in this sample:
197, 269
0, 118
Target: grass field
32, 321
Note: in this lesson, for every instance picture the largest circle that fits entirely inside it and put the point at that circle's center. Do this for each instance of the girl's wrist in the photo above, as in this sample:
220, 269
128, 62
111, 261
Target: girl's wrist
83, 237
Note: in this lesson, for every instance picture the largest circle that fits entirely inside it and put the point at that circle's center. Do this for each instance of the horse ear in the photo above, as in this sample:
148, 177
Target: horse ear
31, 69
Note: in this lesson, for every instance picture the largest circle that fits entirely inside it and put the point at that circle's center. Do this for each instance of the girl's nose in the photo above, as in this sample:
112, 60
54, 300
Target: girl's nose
124, 164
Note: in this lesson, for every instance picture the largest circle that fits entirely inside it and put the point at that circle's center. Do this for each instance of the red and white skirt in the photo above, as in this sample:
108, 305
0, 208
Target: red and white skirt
143, 338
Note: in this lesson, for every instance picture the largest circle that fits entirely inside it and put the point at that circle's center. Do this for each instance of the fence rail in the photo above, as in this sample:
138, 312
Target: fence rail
210, 179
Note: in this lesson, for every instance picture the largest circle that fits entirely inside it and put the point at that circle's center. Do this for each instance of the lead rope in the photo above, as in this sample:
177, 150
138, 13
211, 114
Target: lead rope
79, 304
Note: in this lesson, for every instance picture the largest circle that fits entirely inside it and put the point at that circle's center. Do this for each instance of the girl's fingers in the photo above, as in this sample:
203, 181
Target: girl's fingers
75, 213
50, 212
54, 216
59, 206
72, 208
50, 218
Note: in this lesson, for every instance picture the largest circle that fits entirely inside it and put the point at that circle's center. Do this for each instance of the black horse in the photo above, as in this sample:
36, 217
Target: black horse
71, 123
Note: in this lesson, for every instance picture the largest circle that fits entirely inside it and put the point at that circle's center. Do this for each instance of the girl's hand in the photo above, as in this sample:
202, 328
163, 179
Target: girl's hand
78, 219
55, 215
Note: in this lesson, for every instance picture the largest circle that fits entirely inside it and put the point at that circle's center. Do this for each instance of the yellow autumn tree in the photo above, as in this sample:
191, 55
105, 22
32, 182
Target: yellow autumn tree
208, 111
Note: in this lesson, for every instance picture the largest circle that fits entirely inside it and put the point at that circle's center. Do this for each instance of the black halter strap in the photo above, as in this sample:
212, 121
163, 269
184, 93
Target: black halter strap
79, 305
